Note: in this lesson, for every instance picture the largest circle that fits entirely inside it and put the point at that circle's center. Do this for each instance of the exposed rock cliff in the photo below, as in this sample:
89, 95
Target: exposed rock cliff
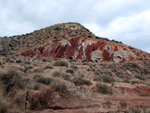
70, 40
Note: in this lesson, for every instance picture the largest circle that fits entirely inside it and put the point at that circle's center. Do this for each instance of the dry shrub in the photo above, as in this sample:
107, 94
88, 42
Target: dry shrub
40, 101
61, 88
11, 79
61, 63
102, 88
3, 104
81, 81
70, 71
104, 78
38, 70
61, 75
45, 80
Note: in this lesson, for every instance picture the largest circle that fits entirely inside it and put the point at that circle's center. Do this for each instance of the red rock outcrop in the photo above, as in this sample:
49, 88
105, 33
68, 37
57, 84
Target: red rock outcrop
86, 49
71, 40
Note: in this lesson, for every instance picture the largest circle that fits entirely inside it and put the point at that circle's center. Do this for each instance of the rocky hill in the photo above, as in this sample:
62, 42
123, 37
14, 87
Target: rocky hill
73, 41
66, 69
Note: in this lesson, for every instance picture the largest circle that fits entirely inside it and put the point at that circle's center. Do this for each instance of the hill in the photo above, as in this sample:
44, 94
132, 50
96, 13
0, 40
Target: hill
67, 69
70, 40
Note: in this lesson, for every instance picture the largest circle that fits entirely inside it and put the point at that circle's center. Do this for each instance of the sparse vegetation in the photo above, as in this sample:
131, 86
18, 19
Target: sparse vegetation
61, 63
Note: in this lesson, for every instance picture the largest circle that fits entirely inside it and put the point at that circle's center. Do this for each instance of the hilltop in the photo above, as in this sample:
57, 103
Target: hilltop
70, 40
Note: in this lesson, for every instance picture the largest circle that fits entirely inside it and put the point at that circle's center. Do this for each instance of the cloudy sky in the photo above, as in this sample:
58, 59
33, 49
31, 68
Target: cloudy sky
123, 20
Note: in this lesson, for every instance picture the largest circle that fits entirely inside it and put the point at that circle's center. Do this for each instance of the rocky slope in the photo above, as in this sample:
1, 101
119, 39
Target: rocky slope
67, 69
73, 41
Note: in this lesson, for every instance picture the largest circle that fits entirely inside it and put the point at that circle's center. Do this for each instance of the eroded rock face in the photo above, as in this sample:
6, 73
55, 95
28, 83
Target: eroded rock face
70, 40
86, 49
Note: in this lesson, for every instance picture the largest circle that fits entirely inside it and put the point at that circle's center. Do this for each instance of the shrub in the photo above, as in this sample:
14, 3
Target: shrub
56, 28
134, 82
45, 80
141, 77
132, 64
3, 107
61, 63
101, 88
36, 86
40, 101
104, 78
70, 71
107, 79
135, 110
11, 79
57, 74
74, 67
38, 70
62, 75
126, 80
26, 68
81, 81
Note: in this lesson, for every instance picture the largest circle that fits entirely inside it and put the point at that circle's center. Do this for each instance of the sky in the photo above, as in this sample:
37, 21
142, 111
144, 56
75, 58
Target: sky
127, 21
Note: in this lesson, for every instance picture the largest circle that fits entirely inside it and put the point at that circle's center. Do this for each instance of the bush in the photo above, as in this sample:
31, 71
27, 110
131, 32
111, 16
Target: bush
132, 64
3, 107
70, 71
141, 77
134, 82
74, 67
57, 74
81, 81
26, 68
126, 80
11, 79
104, 78
101, 88
62, 75
61, 63
45, 80
107, 79
135, 110
40, 101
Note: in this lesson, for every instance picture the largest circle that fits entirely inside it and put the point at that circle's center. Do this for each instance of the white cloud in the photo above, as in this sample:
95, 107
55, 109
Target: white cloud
132, 30
123, 20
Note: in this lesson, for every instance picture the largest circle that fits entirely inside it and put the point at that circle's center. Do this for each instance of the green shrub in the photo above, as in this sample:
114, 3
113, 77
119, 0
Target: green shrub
101, 88
61, 63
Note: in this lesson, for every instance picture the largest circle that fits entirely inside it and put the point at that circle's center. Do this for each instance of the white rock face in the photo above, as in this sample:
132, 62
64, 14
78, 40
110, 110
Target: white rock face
65, 42
96, 55
117, 57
